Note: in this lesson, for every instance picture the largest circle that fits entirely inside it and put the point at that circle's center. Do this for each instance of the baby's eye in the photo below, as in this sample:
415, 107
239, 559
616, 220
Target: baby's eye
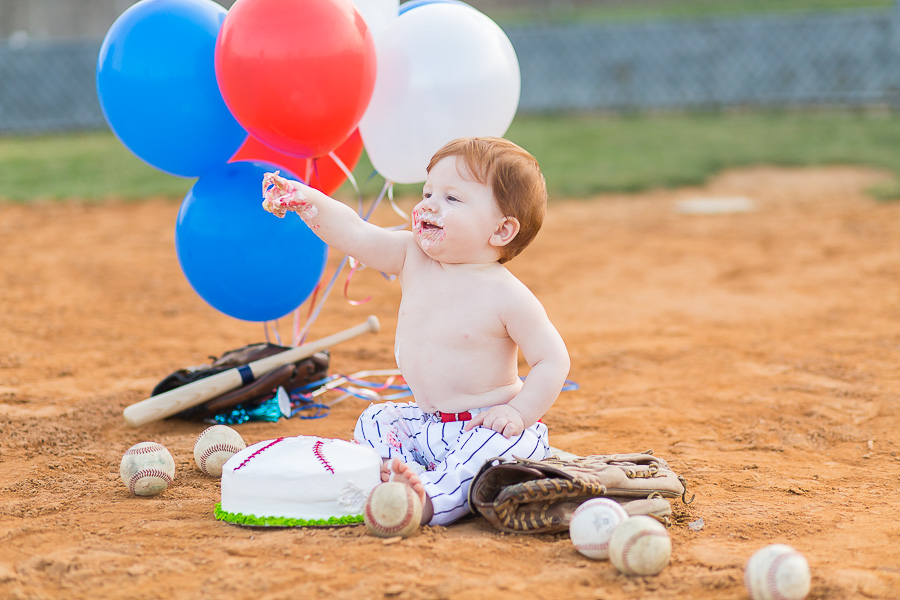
426, 195
452, 199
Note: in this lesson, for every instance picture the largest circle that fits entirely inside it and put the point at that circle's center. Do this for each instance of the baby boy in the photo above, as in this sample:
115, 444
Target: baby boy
463, 318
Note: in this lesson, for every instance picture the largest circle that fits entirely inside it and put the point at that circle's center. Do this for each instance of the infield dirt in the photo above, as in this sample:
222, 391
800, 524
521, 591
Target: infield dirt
757, 352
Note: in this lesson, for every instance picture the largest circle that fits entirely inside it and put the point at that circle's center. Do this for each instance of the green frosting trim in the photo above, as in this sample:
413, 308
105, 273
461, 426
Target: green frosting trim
242, 519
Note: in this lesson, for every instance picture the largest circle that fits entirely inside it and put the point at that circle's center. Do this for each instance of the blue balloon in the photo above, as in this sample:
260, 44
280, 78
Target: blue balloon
415, 3
156, 83
240, 259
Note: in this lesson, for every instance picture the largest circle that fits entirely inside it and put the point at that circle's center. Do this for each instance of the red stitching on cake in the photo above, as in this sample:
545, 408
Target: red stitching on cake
261, 450
317, 450
148, 473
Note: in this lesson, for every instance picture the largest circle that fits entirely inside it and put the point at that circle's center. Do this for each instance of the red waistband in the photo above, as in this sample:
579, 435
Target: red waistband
463, 416
451, 417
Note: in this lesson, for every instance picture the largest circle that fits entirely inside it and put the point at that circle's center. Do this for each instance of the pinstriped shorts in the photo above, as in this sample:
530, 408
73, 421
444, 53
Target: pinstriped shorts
445, 457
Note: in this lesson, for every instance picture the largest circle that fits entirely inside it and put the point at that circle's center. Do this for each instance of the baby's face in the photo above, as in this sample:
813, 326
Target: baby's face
457, 215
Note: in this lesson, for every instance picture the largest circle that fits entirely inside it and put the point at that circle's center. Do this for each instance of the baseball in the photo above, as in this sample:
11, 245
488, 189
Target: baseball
777, 572
591, 525
393, 509
147, 469
215, 446
640, 546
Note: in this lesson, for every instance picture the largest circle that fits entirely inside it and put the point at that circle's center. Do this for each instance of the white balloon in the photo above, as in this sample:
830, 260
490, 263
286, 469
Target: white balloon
377, 14
444, 71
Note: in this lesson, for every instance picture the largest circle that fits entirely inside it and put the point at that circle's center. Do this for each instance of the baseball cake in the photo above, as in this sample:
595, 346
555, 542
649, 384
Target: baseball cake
297, 482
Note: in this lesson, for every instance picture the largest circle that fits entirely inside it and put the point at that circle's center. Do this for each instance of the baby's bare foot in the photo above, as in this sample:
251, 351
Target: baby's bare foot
403, 473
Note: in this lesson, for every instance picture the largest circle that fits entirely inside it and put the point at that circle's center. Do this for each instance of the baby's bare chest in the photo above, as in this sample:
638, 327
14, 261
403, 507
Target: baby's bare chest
450, 310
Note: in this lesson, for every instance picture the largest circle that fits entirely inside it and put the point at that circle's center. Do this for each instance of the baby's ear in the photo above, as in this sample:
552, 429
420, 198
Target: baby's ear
505, 231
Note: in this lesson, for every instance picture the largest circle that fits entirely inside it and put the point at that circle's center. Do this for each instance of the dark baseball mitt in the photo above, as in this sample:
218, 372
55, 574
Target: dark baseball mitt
290, 377
539, 496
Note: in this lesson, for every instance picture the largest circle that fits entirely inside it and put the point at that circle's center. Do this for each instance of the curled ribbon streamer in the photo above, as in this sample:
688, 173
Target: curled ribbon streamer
396, 208
320, 411
356, 386
353, 266
352, 386
569, 386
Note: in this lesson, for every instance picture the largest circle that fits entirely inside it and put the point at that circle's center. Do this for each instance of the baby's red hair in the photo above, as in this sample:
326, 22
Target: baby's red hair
514, 177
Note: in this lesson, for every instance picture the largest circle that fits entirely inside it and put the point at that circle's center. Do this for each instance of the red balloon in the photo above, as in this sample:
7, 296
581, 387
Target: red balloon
324, 174
296, 75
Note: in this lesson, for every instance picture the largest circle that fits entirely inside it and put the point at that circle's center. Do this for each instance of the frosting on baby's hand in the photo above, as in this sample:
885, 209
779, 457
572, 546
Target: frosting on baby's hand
281, 195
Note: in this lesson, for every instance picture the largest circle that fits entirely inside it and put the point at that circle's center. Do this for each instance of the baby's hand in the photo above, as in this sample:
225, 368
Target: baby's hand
281, 195
503, 419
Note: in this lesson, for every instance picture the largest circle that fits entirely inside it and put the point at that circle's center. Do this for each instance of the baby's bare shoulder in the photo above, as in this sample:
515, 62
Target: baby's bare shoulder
506, 280
516, 298
510, 296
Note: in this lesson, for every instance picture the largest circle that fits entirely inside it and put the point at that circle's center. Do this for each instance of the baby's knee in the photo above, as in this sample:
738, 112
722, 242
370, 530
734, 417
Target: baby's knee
370, 413
364, 425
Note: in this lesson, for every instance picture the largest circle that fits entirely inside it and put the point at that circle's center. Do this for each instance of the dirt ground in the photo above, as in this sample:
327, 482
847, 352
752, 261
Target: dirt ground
757, 352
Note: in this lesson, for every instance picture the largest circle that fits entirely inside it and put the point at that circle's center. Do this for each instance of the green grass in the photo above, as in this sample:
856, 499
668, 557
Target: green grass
582, 155
586, 155
91, 165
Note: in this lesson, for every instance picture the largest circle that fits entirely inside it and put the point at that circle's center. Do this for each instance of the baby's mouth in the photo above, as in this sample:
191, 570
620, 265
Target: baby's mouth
430, 228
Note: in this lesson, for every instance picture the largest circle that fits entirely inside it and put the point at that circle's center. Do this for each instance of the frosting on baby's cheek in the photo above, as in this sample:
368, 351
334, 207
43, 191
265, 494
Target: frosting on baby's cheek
428, 228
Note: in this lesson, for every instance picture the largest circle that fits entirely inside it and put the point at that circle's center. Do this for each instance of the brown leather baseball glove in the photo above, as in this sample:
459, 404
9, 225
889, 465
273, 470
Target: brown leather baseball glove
539, 496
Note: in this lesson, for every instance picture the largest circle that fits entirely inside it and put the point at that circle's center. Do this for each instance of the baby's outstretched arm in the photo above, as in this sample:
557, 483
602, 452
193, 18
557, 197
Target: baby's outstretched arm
336, 224
545, 352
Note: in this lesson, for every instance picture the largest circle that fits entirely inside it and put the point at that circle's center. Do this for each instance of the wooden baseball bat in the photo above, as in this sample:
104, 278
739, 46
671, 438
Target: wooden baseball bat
174, 401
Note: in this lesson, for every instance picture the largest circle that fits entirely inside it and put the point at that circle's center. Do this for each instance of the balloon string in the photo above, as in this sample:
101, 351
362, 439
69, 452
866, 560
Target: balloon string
312, 319
295, 340
350, 178
384, 189
309, 322
396, 208
274, 325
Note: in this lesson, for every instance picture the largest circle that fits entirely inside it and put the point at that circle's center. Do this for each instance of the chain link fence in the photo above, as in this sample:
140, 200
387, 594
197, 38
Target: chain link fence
847, 59
48, 85
839, 58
